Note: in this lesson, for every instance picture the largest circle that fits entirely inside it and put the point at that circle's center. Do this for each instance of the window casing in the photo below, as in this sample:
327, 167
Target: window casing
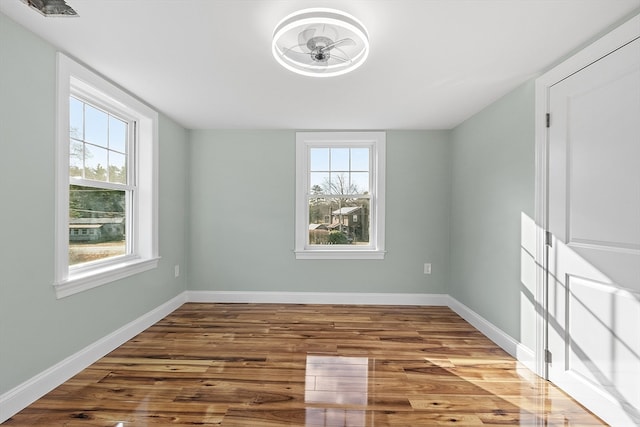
340, 194
106, 175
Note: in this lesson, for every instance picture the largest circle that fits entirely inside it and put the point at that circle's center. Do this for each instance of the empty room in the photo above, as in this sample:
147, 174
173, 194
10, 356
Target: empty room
320, 213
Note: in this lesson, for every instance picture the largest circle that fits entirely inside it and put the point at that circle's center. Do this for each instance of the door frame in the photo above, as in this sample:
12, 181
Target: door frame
620, 36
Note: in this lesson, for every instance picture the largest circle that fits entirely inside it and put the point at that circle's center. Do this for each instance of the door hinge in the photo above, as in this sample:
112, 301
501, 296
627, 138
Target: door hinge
547, 356
547, 238
548, 119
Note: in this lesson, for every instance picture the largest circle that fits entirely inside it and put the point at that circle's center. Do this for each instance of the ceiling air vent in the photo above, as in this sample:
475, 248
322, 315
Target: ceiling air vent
51, 7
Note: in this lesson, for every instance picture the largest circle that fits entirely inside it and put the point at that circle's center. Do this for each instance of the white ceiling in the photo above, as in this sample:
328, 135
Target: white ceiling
433, 63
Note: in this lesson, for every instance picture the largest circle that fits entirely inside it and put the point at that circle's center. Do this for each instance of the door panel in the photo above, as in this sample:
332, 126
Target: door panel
592, 310
594, 217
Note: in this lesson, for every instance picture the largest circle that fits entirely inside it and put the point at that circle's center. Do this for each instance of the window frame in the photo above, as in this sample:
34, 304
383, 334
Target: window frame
142, 216
376, 141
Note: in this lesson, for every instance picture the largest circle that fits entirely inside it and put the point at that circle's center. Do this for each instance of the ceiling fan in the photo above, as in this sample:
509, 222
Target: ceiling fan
320, 42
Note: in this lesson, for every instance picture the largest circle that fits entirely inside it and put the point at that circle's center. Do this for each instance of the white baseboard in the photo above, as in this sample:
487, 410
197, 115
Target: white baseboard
31, 390
492, 332
318, 298
26, 393
516, 349
526, 356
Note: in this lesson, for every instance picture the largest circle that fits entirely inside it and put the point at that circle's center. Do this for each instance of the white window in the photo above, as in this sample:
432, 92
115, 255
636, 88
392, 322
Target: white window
106, 171
340, 179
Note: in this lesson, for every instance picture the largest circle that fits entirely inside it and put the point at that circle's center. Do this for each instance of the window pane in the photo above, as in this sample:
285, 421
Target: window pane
339, 159
360, 182
117, 167
117, 135
76, 156
360, 159
96, 224
75, 118
340, 184
319, 159
95, 126
319, 182
95, 162
338, 221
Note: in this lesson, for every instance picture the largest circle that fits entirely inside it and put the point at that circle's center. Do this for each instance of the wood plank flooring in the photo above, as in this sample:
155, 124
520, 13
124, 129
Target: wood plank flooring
262, 365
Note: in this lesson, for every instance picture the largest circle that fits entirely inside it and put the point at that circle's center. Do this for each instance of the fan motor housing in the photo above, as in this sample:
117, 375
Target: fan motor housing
316, 46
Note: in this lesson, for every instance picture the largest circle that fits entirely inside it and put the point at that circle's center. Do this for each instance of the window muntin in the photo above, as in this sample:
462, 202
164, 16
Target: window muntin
340, 195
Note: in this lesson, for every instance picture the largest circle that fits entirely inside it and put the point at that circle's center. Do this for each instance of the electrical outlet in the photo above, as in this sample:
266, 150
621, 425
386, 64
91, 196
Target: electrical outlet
427, 268
176, 270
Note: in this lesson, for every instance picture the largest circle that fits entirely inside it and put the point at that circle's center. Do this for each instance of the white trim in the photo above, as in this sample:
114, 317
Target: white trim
540, 220
618, 37
61, 215
526, 356
317, 298
495, 334
622, 35
333, 254
142, 223
376, 141
97, 277
28, 392
516, 349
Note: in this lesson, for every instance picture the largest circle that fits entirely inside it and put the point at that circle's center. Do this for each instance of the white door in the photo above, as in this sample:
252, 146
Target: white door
594, 220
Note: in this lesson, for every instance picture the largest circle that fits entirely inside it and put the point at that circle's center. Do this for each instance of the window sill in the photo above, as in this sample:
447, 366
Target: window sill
339, 254
81, 281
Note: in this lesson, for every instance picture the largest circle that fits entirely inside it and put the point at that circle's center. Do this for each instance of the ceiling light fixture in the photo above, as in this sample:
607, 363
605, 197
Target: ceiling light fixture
52, 7
320, 42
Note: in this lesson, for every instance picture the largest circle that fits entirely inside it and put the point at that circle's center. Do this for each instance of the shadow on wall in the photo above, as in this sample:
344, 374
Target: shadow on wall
592, 323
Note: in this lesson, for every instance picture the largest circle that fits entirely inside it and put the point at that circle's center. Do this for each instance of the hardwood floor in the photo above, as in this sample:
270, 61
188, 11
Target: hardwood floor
306, 365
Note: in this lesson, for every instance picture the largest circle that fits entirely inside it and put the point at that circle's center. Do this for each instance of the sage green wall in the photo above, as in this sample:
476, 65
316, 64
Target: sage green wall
493, 179
227, 210
37, 330
242, 213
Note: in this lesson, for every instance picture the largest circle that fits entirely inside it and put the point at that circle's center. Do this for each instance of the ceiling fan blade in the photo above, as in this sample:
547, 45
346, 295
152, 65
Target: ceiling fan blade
295, 49
305, 35
329, 31
294, 54
343, 42
339, 58
345, 57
